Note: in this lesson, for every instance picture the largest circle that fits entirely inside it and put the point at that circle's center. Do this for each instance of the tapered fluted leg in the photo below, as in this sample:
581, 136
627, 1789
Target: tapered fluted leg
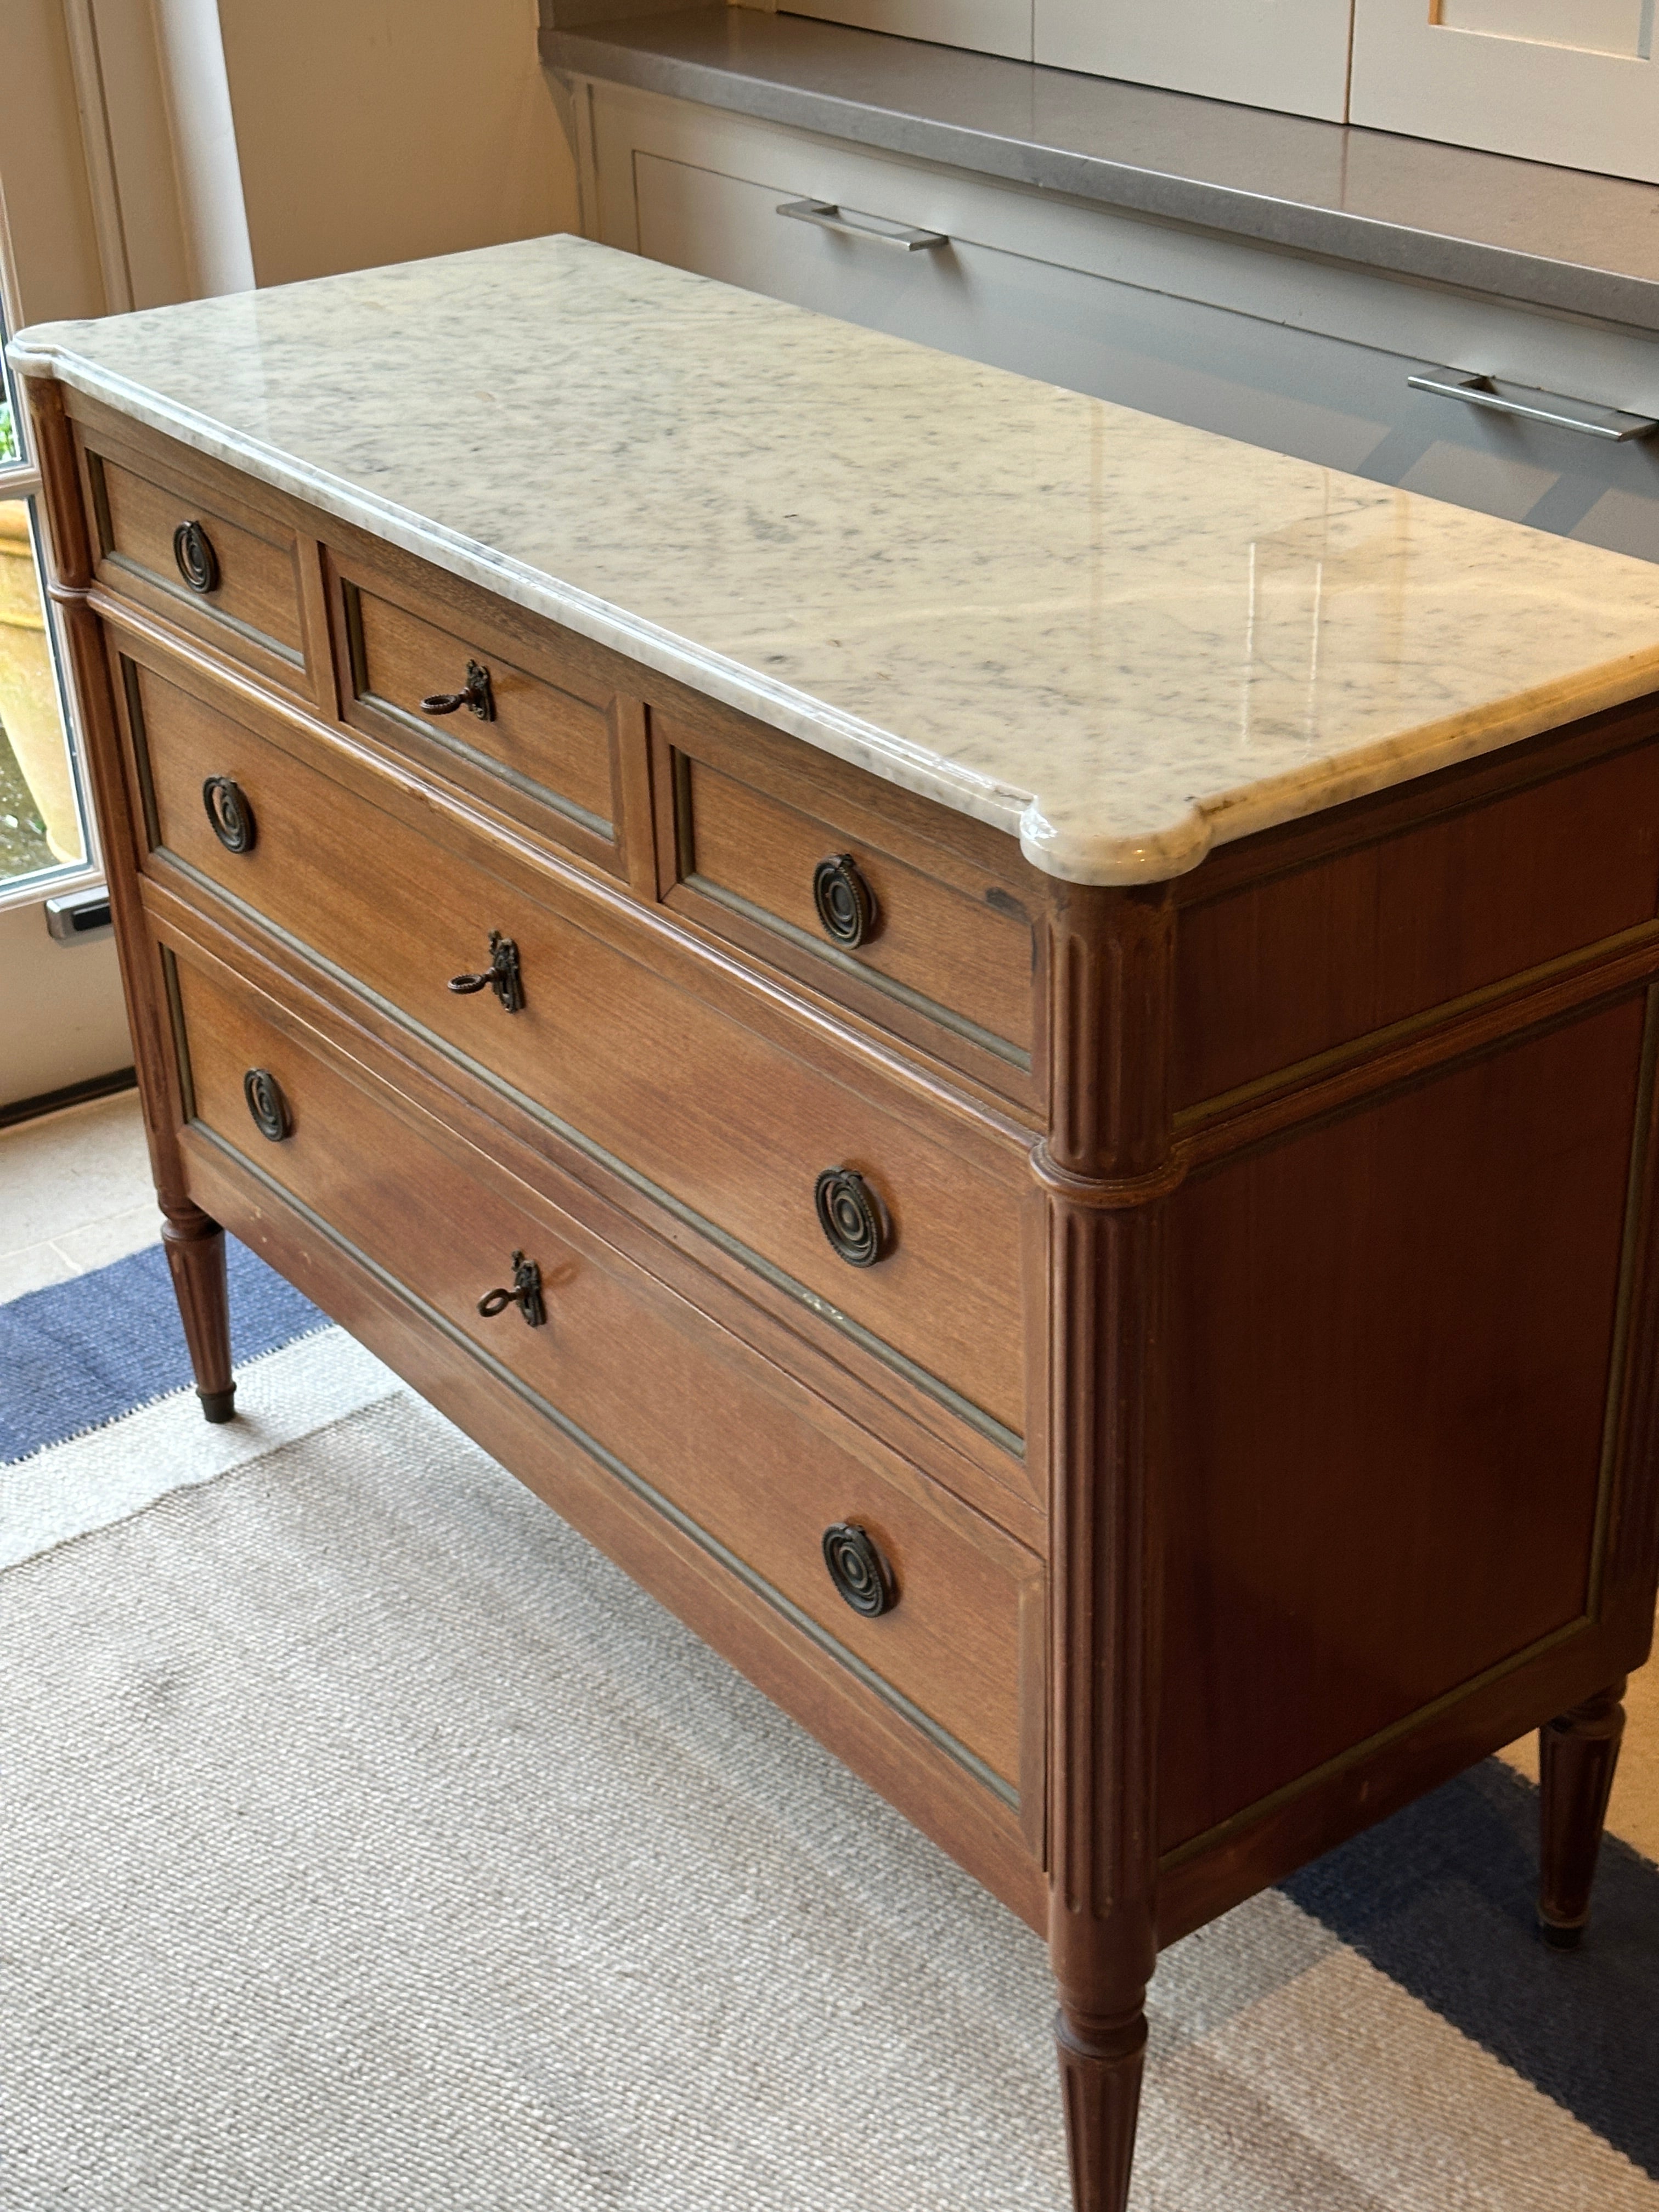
194, 1247
1100, 2067
1578, 1754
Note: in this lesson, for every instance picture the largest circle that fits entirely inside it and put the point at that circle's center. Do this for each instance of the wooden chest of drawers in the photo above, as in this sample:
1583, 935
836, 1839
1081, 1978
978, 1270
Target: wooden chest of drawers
1156, 1378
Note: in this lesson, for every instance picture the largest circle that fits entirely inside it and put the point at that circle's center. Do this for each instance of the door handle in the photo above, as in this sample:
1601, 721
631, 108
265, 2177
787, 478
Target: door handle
1584, 416
827, 215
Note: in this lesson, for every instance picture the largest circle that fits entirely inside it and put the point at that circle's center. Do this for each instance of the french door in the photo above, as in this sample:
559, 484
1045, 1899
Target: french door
118, 189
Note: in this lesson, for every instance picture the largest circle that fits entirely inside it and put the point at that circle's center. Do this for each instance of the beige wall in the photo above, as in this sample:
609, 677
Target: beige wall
49, 202
376, 130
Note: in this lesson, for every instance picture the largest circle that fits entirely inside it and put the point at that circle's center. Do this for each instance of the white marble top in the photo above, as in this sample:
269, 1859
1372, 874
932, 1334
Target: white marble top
1120, 639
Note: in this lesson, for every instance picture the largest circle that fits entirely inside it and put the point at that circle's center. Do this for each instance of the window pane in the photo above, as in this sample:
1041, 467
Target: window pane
39, 816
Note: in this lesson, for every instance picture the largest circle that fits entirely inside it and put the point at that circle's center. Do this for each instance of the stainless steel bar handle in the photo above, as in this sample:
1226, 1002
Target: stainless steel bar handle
1586, 415
828, 217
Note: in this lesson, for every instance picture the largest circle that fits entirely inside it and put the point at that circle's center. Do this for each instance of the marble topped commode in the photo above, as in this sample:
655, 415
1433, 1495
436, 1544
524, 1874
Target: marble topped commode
1121, 639
1111, 1265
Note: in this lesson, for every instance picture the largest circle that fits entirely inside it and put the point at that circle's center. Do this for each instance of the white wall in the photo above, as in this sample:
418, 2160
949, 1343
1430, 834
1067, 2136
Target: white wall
377, 130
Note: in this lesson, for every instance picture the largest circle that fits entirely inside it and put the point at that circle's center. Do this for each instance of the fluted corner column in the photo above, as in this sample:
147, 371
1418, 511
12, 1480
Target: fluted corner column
194, 1244
1106, 1169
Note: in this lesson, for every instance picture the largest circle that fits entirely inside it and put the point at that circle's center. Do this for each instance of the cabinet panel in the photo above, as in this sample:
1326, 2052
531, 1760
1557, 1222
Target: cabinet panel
989, 26
1288, 54
1327, 399
1575, 85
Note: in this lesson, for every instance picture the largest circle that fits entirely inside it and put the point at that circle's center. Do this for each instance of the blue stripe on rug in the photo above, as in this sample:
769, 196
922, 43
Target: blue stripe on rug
78, 1355
1440, 1897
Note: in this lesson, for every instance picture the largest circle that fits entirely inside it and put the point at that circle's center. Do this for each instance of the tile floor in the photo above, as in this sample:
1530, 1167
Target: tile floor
76, 1193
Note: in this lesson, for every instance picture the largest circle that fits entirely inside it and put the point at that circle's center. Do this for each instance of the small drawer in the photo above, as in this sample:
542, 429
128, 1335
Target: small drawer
524, 717
726, 1105
919, 918
172, 540
624, 1363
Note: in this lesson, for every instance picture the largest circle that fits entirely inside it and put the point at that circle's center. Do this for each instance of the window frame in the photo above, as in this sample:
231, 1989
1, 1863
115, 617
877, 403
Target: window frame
21, 479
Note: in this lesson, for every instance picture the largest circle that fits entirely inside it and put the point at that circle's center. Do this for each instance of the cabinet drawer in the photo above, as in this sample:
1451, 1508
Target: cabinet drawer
529, 717
824, 870
728, 1122
629, 1367
175, 542
1225, 335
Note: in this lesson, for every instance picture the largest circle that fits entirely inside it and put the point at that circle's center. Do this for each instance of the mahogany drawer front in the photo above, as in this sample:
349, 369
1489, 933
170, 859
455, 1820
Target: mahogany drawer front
178, 545
718, 1119
636, 1370
761, 845
526, 716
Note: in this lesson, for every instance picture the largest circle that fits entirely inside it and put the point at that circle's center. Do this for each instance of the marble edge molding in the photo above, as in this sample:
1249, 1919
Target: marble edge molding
618, 52
1074, 850
884, 752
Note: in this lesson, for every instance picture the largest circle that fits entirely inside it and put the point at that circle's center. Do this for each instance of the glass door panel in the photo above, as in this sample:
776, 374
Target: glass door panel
43, 830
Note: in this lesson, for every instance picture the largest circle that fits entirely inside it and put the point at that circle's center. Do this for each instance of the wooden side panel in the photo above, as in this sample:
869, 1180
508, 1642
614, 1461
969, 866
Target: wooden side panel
1278, 969
1391, 1339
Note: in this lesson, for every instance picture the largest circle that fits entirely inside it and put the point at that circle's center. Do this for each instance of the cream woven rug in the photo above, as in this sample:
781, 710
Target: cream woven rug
367, 1843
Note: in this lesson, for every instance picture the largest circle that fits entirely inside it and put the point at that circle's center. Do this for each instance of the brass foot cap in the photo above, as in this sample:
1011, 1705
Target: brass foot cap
1559, 1938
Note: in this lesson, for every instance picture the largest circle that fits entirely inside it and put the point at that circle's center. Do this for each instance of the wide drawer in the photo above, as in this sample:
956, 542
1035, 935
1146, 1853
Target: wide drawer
174, 539
818, 867
731, 1123
516, 713
732, 1450
1222, 334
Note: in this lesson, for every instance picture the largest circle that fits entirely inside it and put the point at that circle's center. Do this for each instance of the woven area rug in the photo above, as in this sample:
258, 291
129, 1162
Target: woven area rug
367, 1841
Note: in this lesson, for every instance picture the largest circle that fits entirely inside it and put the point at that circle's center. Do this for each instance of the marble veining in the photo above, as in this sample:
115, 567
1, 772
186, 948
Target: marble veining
1120, 639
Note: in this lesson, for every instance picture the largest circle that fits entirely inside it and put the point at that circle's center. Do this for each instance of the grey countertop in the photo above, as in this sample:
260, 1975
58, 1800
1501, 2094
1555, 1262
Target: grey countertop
1552, 238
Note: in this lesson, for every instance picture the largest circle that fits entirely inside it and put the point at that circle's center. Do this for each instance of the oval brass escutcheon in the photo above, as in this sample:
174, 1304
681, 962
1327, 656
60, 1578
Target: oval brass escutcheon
852, 1216
229, 812
857, 1570
845, 904
267, 1104
198, 564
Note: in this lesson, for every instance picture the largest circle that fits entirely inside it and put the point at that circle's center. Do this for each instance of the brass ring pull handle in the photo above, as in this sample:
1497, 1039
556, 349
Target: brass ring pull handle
863, 1577
195, 558
525, 1293
477, 696
502, 977
846, 905
852, 1216
267, 1104
229, 812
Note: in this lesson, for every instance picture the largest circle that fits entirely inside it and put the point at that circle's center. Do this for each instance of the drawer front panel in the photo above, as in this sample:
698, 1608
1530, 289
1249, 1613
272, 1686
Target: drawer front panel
723, 1121
245, 597
548, 742
748, 1455
1227, 336
959, 953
